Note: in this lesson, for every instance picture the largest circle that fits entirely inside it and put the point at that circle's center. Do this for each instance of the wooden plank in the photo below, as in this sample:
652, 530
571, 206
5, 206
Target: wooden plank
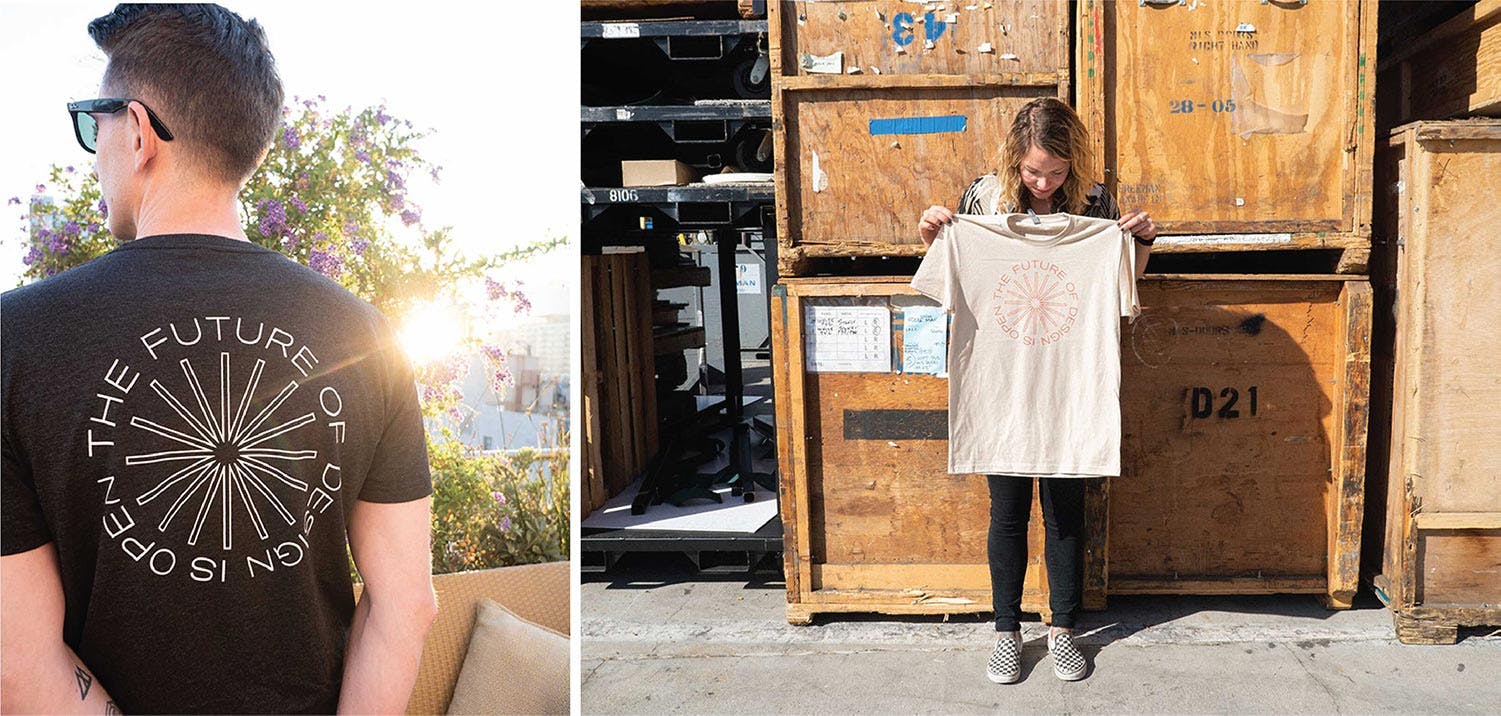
799, 438
1048, 80
680, 340
1458, 520
933, 579
1167, 244
888, 38
645, 357
1204, 110
1460, 568
1346, 502
594, 494
1193, 585
787, 497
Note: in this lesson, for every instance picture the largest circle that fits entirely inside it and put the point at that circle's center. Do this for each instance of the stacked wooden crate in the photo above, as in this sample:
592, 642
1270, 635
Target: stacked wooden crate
1241, 127
619, 401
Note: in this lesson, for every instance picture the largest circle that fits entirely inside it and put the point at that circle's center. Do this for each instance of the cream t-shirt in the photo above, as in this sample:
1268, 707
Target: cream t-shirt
1034, 350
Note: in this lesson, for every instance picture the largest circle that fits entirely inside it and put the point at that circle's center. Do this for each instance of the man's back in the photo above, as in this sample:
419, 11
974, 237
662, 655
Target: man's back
190, 419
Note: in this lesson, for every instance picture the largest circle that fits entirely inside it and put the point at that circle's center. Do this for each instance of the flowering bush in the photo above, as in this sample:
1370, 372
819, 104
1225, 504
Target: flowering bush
332, 193
498, 510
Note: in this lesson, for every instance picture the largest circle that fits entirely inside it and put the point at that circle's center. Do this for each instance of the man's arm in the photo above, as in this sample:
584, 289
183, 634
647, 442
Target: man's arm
390, 543
39, 673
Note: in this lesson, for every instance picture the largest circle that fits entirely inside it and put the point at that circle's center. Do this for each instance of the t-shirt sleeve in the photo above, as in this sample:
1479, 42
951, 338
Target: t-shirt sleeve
23, 527
969, 201
935, 275
399, 469
1130, 301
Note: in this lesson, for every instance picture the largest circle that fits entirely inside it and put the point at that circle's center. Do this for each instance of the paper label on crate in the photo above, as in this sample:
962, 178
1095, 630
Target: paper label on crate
621, 29
925, 333
825, 64
748, 278
1212, 239
848, 339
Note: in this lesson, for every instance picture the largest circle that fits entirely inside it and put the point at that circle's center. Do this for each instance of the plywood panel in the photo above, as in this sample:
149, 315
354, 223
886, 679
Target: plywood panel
1460, 568
848, 185
890, 37
1228, 407
1233, 116
1455, 270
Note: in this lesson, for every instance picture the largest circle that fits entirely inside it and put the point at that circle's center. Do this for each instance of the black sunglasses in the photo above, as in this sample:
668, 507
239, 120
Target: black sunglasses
86, 128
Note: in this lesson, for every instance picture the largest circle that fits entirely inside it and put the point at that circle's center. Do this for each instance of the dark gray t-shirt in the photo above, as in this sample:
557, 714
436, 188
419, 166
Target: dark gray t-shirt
190, 419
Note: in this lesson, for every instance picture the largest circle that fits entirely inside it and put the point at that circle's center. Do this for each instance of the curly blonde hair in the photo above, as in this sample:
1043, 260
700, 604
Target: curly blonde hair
1052, 126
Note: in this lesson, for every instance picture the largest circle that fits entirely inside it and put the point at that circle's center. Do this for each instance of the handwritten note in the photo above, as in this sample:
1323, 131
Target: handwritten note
925, 334
848, 339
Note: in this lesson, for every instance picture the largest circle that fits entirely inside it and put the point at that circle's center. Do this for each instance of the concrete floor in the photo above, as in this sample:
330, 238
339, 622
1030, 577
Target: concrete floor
659, 639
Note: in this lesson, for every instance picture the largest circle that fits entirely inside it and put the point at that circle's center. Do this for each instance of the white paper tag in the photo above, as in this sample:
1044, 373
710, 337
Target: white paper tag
622, 29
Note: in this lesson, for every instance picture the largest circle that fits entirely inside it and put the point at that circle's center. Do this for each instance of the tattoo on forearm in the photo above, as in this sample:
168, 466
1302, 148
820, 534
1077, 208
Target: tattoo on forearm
110, 709
84, 681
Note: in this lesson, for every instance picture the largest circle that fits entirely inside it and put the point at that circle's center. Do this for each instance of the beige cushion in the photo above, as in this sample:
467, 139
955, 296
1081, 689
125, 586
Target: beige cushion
513, 667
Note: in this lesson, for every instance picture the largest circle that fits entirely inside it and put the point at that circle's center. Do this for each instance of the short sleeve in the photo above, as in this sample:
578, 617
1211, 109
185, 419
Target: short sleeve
969, 200
935, 275
23, 526
399, 468
1130, 301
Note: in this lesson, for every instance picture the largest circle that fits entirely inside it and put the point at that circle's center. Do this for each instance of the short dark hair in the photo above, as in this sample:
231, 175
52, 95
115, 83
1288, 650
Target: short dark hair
207, 72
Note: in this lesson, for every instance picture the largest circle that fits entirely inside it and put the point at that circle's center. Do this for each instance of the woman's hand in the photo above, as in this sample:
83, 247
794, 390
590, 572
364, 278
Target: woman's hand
1138, 223
932, 221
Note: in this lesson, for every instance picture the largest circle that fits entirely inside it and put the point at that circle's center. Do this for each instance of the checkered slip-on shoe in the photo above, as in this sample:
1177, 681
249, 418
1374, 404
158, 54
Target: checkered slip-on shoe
1068, 663
1005, 665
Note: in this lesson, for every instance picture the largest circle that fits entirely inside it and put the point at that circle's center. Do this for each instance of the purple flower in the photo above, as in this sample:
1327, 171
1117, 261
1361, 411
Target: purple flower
505, 524
273, 217
71, 228
495, 289
68, 169
434, 173
297, 202
41, 188
359, 246
394, 180
381, 117
290, 138
410, 217
500, 497
362, 155
103, 208
32, 256
13, 201
328, 264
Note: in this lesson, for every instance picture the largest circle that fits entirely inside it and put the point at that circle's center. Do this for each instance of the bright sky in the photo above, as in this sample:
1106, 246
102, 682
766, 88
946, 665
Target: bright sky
497, 83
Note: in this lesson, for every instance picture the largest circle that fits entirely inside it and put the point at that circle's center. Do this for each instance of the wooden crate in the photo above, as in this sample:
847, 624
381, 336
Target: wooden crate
1453, 70
1244, 403
1239, 125
872, 520
862, 155
618, 373
1441, 567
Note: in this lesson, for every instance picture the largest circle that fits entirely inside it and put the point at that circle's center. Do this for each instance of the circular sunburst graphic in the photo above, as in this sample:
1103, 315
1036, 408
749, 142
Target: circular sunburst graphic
217, 444
1035, 302
223, 449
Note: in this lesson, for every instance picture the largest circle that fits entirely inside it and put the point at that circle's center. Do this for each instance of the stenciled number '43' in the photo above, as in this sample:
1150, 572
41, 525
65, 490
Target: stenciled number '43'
902, 24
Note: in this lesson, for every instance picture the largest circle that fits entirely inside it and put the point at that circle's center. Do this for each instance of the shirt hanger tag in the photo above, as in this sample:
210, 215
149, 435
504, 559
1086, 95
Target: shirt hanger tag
1033, 214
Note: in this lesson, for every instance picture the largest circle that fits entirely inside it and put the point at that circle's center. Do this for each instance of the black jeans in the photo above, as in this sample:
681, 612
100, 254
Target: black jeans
1063, 523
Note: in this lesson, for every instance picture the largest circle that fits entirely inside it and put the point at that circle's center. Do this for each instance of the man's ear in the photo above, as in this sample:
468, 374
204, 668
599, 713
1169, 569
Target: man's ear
144, 143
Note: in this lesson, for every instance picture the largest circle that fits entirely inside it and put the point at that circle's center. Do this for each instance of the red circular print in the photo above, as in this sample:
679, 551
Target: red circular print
1035, 302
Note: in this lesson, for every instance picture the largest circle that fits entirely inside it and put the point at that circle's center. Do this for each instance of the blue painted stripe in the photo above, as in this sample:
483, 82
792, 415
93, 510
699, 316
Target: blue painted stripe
918, 125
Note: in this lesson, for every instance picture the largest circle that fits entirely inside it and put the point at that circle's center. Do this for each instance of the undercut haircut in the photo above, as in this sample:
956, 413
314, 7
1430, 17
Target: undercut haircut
207, 72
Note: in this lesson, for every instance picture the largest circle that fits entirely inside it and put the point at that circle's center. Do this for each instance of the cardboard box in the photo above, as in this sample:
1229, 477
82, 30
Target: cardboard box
656, 172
